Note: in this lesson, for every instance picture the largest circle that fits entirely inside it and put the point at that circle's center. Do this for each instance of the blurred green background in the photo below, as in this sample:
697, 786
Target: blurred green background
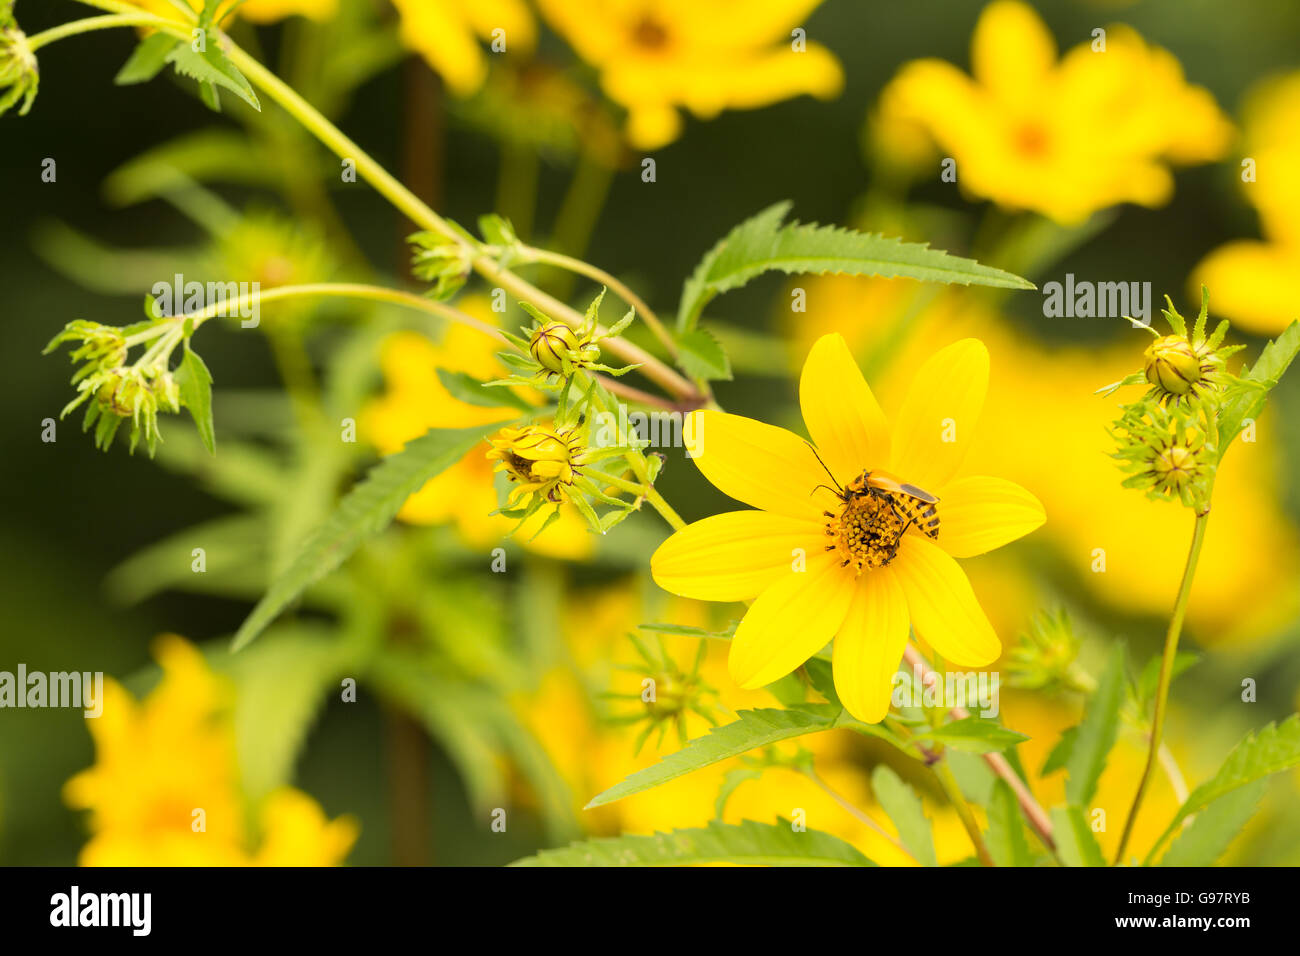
73, 513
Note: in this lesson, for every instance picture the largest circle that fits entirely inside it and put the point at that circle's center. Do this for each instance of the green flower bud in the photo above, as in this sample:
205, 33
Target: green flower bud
1172, 364
551, 344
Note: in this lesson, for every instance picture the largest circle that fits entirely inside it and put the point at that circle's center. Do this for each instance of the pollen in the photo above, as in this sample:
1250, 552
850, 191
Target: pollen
866, 532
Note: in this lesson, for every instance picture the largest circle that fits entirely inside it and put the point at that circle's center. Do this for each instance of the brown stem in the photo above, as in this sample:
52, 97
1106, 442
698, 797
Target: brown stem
1034, 813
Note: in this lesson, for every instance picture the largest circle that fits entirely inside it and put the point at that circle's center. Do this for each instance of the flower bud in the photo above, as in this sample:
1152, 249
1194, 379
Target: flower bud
1172, 364
539, 458
550, 345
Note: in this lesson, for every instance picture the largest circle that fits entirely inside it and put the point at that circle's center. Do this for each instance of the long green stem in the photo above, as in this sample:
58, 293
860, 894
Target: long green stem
620, 289
419, 213
1166, 677
958, 800
90, 24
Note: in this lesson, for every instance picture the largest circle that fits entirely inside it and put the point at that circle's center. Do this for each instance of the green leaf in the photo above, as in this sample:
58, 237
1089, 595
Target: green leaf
1060, 755
1208, 836
1249, 401
1074, 840
1096, 734
148, 59
211, 69
750, 843
1006, 832
974, 735
702, 356
471, 391
1272, 750
282, 684
752, 729
762, 244
904, 807
195, 383
366, 510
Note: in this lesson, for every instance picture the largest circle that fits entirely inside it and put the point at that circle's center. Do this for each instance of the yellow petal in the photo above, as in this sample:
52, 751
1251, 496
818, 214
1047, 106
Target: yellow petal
979, 514
942, 605
870, 644
733, 556
842, 416
794, 618
762, 465
934, 430
1253, 283
1012, 51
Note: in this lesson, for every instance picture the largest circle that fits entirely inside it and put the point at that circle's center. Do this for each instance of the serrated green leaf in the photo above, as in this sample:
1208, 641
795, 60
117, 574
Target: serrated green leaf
211, 69
1268, 369
366, 510
762, 244
702, 356
751, 729
904, 807
1274, 749
195, 382
1006, 831
750, 843
147, 60
974, 735
1097, 733
1074, 840
1208, 836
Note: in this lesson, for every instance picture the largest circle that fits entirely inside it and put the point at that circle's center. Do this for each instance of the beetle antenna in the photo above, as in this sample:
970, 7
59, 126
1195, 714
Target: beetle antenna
838, 488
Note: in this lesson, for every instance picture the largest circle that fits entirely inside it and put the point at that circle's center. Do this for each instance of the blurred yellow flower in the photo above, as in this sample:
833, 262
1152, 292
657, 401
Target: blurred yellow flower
655, 56
593, 752
446, 33
164, 788
1254, 281
415, 400
1064, 138
1049, 434
255, 11
853, 573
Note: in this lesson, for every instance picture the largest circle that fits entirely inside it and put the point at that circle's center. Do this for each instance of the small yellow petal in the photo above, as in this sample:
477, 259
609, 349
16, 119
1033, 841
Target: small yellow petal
764, 466
792, 620
870, 644
733, 556
980, 513
841, 413
935, 428
1012, 51
944, 610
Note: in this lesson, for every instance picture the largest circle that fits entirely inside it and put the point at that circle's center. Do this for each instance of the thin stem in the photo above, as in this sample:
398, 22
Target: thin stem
90, 24
419, 213
1166, 677
340, 290
635, 394
1033, 811
943, 772
857, 814
637, 461
620, 289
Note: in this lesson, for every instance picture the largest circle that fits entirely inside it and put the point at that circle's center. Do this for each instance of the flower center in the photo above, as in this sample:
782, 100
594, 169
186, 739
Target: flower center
866, 532
649, 34
1031, 140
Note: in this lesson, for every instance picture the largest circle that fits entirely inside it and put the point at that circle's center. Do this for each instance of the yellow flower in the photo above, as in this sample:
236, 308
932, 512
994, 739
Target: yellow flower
1064, 138
255, 11
1126, 551
415, 401
703, 55
862, 570
446, 33
1254, 280
164, 788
